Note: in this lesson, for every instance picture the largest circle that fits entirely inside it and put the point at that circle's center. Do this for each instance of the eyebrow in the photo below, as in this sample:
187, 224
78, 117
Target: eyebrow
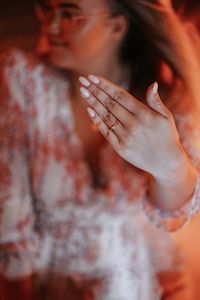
69, 5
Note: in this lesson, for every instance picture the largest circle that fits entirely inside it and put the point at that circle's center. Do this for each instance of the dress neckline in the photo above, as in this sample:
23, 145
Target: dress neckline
79, 144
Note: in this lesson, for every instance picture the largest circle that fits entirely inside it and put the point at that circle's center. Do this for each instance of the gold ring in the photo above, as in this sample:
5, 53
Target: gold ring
115, 125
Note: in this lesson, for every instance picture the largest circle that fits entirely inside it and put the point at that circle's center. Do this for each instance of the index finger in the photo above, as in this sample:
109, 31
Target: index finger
118, 94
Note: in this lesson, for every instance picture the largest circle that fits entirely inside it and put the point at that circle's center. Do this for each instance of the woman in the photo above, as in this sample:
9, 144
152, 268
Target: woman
71, 196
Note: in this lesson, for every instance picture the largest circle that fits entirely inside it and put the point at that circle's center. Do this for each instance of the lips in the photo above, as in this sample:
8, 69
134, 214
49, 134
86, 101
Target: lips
58, 43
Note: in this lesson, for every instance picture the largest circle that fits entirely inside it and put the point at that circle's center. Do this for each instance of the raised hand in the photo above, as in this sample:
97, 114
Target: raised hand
145, 136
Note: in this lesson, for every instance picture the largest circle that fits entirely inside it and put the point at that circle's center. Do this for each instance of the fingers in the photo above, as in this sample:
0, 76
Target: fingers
107, 108
111, 134
119, 95
111, 123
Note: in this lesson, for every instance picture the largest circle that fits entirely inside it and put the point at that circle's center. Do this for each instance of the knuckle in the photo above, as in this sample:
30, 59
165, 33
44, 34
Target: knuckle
146, 117
123, 140
108, 133
92, 102
119, 95
126, 141
106, 116
134, 131
104, 131
110, 103
132, 126
115, 125
95, 91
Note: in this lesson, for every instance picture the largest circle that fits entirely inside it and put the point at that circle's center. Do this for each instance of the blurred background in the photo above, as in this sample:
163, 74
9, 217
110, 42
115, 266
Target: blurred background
19, 27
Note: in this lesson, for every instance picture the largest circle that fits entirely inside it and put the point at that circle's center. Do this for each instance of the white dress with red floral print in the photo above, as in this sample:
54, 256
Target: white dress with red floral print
53, 221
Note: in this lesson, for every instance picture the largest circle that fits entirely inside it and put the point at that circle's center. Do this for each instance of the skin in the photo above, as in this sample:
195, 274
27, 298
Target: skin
100, 36
131, 127
145, 135
93, 48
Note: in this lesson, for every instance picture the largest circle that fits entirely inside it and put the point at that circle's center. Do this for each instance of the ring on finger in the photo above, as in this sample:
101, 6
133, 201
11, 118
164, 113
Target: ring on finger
115, 125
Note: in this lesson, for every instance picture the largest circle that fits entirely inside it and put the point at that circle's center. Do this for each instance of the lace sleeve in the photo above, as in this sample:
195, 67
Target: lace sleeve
189, 134
178, 219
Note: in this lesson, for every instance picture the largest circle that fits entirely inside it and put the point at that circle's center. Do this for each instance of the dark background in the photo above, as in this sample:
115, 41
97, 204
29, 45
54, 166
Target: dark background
18, 24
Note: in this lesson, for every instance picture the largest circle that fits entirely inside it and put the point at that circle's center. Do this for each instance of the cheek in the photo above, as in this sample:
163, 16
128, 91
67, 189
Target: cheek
84, 47
90, 43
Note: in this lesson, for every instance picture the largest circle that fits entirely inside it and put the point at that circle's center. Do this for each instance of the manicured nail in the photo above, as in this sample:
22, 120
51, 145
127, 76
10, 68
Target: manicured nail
84, 92
149, 90
94, 79
155, 87
91, 112
84, 81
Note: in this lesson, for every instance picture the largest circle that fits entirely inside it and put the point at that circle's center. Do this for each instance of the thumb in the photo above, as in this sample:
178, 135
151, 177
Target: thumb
154, 101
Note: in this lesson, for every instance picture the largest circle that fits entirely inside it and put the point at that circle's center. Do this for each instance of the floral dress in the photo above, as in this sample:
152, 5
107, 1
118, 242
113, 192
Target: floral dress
53, 221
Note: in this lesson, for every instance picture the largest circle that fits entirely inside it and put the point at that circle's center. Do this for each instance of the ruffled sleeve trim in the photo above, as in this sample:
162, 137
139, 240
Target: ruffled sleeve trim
173, 220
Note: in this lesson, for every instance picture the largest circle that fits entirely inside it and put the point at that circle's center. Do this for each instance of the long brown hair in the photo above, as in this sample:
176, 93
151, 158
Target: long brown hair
156, 35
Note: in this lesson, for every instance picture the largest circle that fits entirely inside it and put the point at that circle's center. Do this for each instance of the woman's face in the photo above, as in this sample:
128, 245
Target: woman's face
79, 32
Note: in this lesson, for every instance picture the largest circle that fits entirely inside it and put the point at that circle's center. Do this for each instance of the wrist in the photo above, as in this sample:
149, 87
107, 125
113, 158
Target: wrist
174, 190
180, 172
175, 168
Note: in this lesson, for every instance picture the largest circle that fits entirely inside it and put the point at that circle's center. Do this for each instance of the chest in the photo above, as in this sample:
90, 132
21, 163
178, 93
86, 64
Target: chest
91, 140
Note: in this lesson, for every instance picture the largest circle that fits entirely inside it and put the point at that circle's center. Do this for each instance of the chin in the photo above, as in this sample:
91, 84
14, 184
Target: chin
59, 59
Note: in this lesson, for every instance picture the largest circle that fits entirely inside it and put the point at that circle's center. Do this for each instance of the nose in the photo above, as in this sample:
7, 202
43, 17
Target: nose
55, 26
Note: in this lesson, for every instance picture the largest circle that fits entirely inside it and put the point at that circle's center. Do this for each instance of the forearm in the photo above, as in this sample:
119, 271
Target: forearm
171, 193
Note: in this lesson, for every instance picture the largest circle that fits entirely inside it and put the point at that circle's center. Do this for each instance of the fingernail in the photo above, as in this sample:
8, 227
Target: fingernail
91, 112
84, 81
149, 90
94, 79
84, 92
155, 87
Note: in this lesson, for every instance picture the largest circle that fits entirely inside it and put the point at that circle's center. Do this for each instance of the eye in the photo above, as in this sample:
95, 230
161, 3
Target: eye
66, 14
